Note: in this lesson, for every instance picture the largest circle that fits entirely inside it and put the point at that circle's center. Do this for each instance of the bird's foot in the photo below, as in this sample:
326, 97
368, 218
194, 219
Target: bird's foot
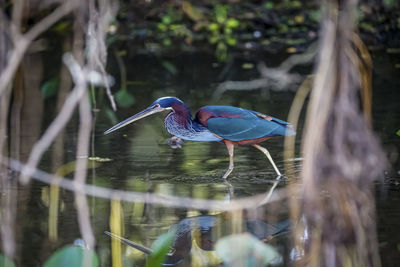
174, 142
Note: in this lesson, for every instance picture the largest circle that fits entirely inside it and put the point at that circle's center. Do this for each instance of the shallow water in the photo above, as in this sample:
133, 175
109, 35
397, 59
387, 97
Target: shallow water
140, 160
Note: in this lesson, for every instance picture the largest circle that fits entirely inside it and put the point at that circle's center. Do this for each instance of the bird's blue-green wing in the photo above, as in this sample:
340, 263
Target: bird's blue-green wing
238, 124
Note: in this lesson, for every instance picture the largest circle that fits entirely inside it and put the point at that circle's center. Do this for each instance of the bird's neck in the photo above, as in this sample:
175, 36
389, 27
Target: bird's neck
181, 114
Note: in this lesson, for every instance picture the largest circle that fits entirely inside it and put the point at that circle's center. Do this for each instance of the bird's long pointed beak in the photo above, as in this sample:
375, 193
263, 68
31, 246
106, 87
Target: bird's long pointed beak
148, 111
130, 243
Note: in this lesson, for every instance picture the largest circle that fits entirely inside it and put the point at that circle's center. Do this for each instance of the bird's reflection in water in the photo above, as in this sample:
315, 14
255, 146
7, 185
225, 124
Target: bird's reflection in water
201, 233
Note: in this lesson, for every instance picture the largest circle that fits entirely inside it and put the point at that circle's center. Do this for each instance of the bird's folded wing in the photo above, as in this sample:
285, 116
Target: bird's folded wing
244, 128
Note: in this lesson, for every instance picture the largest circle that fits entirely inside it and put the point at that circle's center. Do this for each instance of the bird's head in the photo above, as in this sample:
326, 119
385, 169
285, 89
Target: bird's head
164, 103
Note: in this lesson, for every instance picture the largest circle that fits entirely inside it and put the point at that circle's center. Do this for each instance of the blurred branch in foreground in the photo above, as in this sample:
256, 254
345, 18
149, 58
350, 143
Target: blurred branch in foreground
342, 156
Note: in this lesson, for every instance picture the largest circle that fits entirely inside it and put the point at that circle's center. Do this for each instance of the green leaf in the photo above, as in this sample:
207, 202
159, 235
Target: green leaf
398, 132
72, 256
221, 52
246, 250
50, 87
124, 99
166, 19
231, 41
191, 11
232, 23
110, 114
169, 67
166, 42
214, 27
269, 5
160, 249
221, 13
389, 3
162, 27
6, 262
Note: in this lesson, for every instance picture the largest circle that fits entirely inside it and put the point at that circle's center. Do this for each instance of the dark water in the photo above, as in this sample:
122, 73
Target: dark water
140, 160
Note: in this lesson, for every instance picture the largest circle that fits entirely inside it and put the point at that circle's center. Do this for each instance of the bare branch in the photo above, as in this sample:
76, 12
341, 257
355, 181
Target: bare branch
22, 42
81, 167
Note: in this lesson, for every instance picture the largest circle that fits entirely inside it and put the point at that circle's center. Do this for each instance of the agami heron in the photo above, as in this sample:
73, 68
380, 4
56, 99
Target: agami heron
230, 125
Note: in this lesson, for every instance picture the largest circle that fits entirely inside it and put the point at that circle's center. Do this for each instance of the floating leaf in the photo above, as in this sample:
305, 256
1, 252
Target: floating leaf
50, 87
6, 262
99, 159
72, 256
160, 249
246, 250
124, 98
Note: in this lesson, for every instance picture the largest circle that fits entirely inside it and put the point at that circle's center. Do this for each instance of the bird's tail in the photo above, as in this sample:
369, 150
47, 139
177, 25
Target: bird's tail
289, 131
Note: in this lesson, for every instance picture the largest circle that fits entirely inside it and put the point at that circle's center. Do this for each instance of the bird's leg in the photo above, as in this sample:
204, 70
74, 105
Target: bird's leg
265, 151
230, 146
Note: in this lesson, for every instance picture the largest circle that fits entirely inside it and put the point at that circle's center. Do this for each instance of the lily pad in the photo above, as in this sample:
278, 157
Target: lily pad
73, 256
246, 250
124, 98
6, 262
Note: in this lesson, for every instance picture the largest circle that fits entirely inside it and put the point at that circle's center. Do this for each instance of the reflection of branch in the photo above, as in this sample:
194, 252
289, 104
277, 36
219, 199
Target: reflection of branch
22, 41
277, 79
156, 199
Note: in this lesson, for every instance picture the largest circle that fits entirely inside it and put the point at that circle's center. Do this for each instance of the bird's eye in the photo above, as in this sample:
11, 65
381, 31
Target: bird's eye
156, 106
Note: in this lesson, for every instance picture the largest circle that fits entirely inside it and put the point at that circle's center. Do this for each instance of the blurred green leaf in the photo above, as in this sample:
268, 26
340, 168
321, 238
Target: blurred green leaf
214, 27
269, 5
160, 249
221, 13
110, 114
191, 11
167, 42
166, 19
232, 23
398, 133
6, 262
169, 67
124, 98
62, 26
295, 4
162, 27
50, 87
213, 39
245, 250
315, 15
72, 256
221, 51
231, 41
389, 3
